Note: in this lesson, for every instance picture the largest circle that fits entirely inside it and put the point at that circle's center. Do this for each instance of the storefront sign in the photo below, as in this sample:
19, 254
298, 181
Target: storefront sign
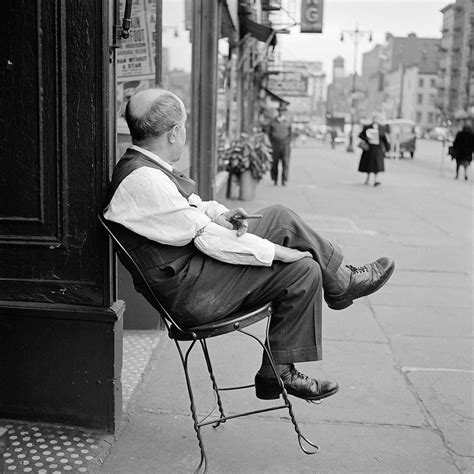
312, 16
288, 83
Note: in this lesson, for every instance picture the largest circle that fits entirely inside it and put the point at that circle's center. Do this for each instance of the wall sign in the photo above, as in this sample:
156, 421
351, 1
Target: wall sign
312, 16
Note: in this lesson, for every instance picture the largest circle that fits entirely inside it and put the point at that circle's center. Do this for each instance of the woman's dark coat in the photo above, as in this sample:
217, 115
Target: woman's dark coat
372, 160
464, 145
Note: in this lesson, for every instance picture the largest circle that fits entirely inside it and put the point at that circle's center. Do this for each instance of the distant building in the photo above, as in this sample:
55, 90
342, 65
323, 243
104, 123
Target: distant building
400, 78
418, 102
373, 77
409, 50
339, 95
456, 62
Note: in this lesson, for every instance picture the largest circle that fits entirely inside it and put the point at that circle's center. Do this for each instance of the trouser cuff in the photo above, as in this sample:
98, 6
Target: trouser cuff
302, 354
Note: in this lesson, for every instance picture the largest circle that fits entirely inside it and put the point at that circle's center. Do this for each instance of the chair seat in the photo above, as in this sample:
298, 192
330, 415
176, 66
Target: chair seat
237, 320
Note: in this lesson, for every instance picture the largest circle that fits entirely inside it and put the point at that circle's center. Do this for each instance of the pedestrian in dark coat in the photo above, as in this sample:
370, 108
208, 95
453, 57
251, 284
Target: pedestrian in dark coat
280, 134
375, 144
463, 147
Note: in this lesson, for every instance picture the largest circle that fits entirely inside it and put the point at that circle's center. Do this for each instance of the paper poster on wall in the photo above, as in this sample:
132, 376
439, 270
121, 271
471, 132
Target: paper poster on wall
136, 55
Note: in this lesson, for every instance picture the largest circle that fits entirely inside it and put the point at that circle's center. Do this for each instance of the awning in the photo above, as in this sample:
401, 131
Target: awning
258, 31
275, 96
228, 28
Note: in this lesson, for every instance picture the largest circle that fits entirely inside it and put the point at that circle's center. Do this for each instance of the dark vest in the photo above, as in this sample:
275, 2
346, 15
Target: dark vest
148, 253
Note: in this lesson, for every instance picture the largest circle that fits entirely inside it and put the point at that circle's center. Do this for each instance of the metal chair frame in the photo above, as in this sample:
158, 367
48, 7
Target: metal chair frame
235, 322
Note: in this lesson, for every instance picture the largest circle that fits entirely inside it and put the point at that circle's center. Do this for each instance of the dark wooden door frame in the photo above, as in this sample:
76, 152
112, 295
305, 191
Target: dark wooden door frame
60, 326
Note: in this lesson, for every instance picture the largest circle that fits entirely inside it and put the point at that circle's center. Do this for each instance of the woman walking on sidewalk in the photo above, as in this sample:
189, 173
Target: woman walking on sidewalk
374, 145
463, 147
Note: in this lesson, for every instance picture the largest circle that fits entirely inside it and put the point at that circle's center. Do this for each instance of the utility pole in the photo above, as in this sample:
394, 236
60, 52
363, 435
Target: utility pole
356, 35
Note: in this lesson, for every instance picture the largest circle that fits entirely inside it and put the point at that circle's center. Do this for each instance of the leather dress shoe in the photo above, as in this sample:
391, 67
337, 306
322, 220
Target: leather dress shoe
296, 384
364, 281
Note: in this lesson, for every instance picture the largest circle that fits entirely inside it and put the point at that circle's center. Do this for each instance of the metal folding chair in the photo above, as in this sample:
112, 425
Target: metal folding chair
236, 321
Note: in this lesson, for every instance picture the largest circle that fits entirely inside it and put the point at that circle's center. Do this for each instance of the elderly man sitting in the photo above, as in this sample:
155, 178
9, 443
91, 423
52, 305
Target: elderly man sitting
205, 261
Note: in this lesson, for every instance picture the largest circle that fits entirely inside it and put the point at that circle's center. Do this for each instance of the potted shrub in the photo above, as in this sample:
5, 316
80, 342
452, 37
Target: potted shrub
247, 159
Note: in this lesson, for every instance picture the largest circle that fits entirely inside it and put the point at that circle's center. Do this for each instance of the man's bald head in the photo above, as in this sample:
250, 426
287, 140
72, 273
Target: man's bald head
153, 112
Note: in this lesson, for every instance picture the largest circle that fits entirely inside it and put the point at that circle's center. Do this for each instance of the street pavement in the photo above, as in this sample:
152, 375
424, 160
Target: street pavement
403, 356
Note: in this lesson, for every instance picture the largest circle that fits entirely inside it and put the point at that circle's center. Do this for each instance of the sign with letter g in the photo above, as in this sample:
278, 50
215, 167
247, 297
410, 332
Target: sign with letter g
312, 16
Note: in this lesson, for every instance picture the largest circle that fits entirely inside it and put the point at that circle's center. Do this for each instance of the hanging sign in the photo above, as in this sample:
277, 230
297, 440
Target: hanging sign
288, 83
312, 16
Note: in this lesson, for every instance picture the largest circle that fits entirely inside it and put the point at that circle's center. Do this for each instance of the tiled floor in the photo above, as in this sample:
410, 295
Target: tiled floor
138, 347
46, 449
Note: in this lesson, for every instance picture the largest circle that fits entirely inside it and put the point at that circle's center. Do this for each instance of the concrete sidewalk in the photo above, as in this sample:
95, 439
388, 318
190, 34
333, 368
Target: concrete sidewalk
403, 356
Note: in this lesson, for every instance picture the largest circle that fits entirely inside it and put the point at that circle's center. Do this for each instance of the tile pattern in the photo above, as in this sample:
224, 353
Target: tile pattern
54, 449
138, 347
45, 449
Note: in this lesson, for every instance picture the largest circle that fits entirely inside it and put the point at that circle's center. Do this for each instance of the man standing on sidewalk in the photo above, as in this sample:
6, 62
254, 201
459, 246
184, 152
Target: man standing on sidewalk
279, 132
205, 261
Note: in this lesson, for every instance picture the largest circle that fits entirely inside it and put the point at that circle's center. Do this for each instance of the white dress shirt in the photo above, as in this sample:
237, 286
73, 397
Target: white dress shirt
149, 203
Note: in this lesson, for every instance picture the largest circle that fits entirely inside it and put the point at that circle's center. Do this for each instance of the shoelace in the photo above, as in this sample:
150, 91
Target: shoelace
298, 374
362, 269
293, 372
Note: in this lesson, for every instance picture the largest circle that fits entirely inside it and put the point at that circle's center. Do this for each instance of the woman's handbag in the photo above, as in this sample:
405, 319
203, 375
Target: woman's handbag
364, 145
452, 152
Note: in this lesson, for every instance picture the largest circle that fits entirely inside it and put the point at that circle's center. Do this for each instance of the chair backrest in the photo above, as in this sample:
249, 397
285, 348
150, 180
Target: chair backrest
130, 263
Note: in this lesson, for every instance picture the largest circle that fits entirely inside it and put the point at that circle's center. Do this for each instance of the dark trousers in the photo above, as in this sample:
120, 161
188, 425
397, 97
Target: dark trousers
209, 289
281, 153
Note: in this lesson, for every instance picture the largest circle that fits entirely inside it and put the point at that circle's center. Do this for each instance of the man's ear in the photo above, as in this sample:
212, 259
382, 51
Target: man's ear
172, 134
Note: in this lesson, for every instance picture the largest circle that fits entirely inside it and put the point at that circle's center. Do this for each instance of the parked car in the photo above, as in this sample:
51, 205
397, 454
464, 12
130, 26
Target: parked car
402, 136
439, 133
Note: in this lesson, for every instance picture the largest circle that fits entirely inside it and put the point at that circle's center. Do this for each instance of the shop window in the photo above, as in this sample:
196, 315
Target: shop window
138, 59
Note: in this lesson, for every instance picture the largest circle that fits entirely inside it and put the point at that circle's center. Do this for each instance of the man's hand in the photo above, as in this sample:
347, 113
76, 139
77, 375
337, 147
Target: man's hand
228, 220
288, 255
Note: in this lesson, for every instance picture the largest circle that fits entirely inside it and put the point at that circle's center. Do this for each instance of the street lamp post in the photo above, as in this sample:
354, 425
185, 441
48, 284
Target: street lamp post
356, 35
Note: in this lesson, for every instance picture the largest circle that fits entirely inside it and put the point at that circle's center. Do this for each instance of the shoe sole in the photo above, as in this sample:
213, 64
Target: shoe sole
273, 395
343, 304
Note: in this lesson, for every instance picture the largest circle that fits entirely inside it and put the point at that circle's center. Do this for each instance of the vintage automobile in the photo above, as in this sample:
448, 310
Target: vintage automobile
401, 134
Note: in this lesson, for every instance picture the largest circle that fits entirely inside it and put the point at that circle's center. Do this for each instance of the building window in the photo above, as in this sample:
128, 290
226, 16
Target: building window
420, 99
430, 117
433, 82
418, 117
420, 82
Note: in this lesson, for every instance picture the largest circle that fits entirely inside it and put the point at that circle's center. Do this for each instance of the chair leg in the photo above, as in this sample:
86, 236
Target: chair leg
301, 438
202, 467
214, 383
266, 347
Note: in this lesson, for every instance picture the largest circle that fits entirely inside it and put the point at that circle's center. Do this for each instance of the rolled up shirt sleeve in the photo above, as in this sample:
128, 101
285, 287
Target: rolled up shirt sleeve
224, 245
212, 209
